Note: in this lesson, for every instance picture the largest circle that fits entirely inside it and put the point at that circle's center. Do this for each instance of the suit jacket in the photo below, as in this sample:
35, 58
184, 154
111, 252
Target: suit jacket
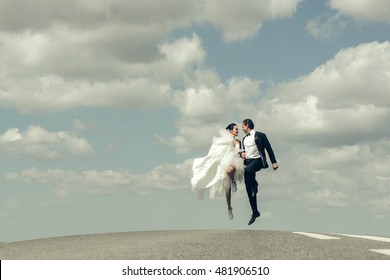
263, 144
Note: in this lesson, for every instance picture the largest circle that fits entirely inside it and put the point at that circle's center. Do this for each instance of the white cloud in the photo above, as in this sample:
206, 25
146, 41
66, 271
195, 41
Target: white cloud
318, 178
241, 20
78, 125
208, 107
182, 58
164, 177
90, 81
367, 10
344, 101
326, 26
379, 207
184, 52
60, 55
49, 94
19, 14
304, 115
193, 103
318, 198
237, 20
36, 142
355, 76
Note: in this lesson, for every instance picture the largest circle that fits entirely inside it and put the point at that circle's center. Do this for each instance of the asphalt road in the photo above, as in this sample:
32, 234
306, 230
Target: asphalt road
200, 245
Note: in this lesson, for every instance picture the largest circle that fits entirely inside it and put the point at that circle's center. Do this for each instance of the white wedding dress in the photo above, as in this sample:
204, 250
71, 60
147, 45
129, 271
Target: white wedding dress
209, 172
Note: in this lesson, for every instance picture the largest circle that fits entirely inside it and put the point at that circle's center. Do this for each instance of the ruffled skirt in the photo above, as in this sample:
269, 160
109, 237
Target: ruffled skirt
209, 173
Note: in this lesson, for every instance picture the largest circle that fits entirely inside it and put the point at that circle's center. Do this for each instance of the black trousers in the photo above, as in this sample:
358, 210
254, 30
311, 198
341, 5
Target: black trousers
251, 167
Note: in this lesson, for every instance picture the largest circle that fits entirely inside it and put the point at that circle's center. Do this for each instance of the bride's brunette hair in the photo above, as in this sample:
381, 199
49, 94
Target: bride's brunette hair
230, 126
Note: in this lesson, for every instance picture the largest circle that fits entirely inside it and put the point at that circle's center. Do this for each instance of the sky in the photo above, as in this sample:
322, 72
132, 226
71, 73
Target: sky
104, 104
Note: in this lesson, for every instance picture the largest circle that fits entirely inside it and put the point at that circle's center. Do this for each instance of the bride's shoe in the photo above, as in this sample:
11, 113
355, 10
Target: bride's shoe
230, 213
234, 186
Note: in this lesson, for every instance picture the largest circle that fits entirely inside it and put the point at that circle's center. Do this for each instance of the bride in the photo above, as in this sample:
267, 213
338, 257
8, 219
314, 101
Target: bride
221, 168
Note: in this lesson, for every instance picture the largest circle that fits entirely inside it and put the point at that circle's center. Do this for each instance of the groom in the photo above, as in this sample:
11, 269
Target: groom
255, 143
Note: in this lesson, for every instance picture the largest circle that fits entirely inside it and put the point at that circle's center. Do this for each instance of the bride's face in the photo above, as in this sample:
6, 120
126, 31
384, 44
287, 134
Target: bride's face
234, 131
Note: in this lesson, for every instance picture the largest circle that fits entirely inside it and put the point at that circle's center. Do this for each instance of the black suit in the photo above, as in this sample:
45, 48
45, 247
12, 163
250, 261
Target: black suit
254, 165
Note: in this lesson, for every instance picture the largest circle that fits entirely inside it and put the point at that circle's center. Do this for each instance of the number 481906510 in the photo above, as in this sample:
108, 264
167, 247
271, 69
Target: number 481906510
242, 270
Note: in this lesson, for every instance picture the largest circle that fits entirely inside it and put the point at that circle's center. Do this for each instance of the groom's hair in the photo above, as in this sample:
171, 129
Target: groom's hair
230, 126
249, 123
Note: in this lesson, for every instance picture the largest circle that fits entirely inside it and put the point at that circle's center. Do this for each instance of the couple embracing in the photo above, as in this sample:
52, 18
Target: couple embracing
230, 161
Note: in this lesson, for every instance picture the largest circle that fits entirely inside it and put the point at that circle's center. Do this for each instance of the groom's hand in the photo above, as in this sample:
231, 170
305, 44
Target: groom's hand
243, 155
275, 166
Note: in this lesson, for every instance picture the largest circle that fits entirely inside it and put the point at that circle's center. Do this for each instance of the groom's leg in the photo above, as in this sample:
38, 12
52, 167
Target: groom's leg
250, 190
251, 183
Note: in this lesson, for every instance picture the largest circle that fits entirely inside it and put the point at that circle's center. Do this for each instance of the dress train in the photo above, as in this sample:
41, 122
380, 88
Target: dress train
209, 172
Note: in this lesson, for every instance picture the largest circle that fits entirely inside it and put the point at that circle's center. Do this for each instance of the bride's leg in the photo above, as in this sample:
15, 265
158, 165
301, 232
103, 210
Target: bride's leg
229, 203
230, 172
229, 199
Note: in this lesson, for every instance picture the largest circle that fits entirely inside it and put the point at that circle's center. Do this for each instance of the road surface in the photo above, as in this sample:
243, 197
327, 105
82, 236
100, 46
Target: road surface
201, 245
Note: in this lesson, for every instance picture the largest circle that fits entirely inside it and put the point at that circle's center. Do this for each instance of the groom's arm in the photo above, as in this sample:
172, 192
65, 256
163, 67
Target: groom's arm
271, 154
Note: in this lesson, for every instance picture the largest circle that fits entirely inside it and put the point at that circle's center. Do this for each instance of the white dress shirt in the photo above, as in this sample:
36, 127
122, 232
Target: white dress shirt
251, 150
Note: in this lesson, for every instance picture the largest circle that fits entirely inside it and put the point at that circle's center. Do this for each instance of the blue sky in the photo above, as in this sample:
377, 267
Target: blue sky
105, 103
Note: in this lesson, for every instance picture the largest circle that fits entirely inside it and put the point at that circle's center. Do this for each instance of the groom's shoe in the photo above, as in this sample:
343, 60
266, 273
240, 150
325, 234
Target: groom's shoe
253, 218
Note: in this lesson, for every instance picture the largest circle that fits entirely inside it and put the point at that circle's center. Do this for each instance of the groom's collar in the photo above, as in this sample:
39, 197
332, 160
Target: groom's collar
252, 132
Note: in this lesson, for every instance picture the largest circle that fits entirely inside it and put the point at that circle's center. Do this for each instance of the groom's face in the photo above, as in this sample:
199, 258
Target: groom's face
245, 128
